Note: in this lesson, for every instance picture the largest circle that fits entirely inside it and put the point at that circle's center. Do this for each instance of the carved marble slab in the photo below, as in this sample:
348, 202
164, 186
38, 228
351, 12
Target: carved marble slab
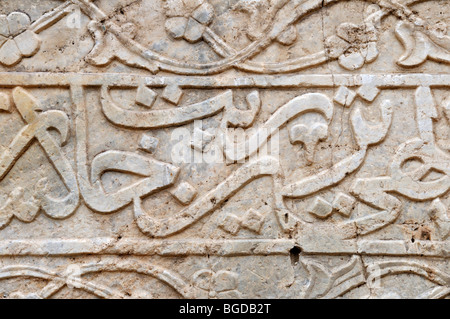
224, 149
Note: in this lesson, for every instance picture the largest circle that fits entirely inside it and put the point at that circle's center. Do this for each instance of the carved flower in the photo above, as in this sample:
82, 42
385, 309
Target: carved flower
188, 18
354, 45
16, 42
217, 285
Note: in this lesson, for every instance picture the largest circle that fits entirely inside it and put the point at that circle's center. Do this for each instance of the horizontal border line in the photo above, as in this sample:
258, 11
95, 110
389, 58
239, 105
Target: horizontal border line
114, 246
239, 247
381, 248
258, 81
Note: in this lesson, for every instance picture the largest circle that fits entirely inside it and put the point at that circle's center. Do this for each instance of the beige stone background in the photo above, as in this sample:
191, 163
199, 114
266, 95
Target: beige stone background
331, 119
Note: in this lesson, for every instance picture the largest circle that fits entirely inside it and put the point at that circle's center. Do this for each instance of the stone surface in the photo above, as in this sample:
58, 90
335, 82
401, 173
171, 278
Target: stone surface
224, 149
148, 143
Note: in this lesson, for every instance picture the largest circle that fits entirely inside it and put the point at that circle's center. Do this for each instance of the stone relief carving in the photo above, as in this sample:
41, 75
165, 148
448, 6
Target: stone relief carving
189, 154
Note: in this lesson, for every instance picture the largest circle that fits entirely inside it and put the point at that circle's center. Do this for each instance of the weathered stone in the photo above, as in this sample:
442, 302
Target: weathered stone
145, 96
344, 96
321, 208
344, 204
5, 103
172, 94
224, 149
148, 143
184, 193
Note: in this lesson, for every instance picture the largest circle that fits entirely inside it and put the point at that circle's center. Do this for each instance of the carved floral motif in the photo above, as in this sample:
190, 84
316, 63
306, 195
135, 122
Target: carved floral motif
188, 19
16, 41
354, 45
222, 284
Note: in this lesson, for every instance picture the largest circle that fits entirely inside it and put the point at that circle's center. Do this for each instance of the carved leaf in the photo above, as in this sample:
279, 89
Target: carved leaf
420, 46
